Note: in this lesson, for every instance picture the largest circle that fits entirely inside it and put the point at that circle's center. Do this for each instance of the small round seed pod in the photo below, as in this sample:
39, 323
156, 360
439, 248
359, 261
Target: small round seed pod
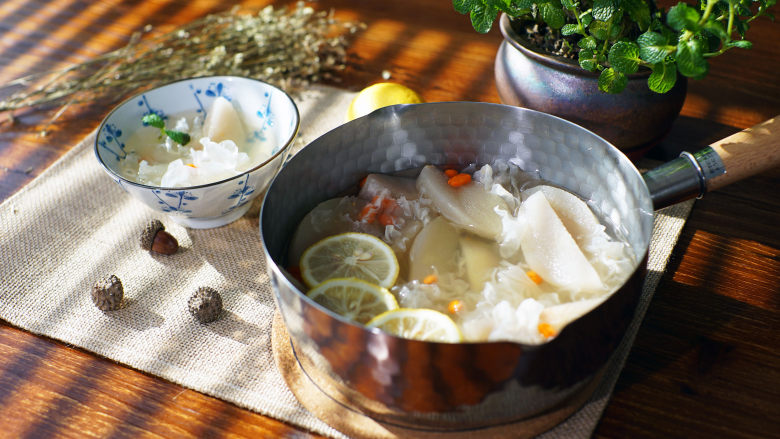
205, 304
154, 238
107, 293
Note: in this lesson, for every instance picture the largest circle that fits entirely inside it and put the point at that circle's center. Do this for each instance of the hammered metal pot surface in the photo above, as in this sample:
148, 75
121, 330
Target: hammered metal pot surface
634, 120
453, 386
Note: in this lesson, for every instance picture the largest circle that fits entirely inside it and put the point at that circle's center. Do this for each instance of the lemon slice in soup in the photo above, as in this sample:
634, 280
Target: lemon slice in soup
350, 255
353, 298
418, 324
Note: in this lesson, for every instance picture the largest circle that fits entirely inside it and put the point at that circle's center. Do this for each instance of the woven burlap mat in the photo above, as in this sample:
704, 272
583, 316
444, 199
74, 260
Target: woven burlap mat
73, 225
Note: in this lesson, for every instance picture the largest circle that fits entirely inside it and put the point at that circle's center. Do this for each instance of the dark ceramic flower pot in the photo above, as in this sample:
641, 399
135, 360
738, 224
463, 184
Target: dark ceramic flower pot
634, 120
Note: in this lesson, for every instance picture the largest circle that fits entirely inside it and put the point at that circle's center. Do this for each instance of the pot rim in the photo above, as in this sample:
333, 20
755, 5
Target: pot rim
554, 61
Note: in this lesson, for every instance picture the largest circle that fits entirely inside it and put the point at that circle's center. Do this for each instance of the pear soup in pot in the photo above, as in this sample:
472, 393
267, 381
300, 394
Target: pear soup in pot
498, 374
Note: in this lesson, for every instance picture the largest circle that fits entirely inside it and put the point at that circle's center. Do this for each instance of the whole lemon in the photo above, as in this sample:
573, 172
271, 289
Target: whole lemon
381, 95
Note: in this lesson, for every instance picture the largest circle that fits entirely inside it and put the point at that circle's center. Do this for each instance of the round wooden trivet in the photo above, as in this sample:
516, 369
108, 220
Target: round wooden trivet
358, 425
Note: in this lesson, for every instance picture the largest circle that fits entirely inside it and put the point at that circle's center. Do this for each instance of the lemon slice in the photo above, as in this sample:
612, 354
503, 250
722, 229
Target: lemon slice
418, 324
353, 298
355, 255
381, 95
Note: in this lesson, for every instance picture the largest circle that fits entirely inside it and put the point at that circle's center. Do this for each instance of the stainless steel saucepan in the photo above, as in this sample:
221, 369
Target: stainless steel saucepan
439, 386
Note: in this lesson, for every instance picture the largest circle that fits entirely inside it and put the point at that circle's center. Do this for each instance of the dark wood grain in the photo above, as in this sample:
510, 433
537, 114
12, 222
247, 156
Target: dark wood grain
705, 362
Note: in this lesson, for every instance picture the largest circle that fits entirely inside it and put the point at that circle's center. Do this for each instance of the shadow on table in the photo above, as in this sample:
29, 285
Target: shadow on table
684, 328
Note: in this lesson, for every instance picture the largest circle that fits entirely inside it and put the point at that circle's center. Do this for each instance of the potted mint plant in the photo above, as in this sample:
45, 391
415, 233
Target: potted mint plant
617, 67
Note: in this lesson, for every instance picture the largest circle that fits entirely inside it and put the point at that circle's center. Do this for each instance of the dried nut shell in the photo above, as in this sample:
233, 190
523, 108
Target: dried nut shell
205, 304
164, 243
154, 238
107, 293
149, 232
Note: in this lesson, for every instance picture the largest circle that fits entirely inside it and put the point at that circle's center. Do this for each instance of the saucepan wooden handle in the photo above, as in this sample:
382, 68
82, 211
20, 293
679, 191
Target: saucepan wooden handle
738, 156
748, 152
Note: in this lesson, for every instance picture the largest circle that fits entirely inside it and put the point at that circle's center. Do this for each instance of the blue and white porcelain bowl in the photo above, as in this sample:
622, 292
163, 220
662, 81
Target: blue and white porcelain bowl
219, 202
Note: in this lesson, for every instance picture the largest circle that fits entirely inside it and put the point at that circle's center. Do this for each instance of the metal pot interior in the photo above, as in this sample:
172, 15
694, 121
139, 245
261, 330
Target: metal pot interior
469, 385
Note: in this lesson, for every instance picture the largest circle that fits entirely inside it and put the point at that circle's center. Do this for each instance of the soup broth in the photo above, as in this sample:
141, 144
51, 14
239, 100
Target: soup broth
224, 144
507, 256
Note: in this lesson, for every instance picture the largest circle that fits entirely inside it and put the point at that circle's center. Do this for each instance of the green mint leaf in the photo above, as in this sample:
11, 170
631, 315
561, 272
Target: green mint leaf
501, 5
524, 4
178, 137
586, 60
599, 29
586, 18
462, 6
569, 29
611, 81
624, 57
603, 10
552, 15
682, 17
651, 38
690, 60
588, 43
154, 120
616, 28
465, 6
742, 7
742, 27
663, 78
482, 17
569, 4
742, 44
653, 47
716, 28
639, 11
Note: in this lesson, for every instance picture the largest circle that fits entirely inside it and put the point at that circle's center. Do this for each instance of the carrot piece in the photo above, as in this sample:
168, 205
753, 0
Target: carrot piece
385, 219
388, 204
368, 213
546, 330
450, 172
459, 180
430, 279
455, 306
534, 276
191, 165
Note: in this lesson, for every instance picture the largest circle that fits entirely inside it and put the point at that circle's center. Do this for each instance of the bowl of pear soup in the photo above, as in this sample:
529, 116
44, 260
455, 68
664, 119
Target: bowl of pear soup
199, 150
456, 265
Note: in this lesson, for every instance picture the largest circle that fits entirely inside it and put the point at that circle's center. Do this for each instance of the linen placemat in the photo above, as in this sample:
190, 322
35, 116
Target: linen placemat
73, 225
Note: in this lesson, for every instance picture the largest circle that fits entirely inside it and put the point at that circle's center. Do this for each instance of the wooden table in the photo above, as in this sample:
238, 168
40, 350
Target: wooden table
705, 362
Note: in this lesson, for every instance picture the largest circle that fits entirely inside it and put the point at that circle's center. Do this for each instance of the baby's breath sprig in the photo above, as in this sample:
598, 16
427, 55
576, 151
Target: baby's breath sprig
289, 48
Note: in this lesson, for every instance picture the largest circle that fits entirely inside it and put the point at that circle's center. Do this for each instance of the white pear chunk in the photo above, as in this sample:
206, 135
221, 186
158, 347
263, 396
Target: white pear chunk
574, 213
551, 251
388, 186
481, 259
434, 248
223, 122
558, 316
470, 207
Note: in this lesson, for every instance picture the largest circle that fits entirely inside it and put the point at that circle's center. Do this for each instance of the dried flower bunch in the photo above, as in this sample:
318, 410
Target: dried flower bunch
287, 48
